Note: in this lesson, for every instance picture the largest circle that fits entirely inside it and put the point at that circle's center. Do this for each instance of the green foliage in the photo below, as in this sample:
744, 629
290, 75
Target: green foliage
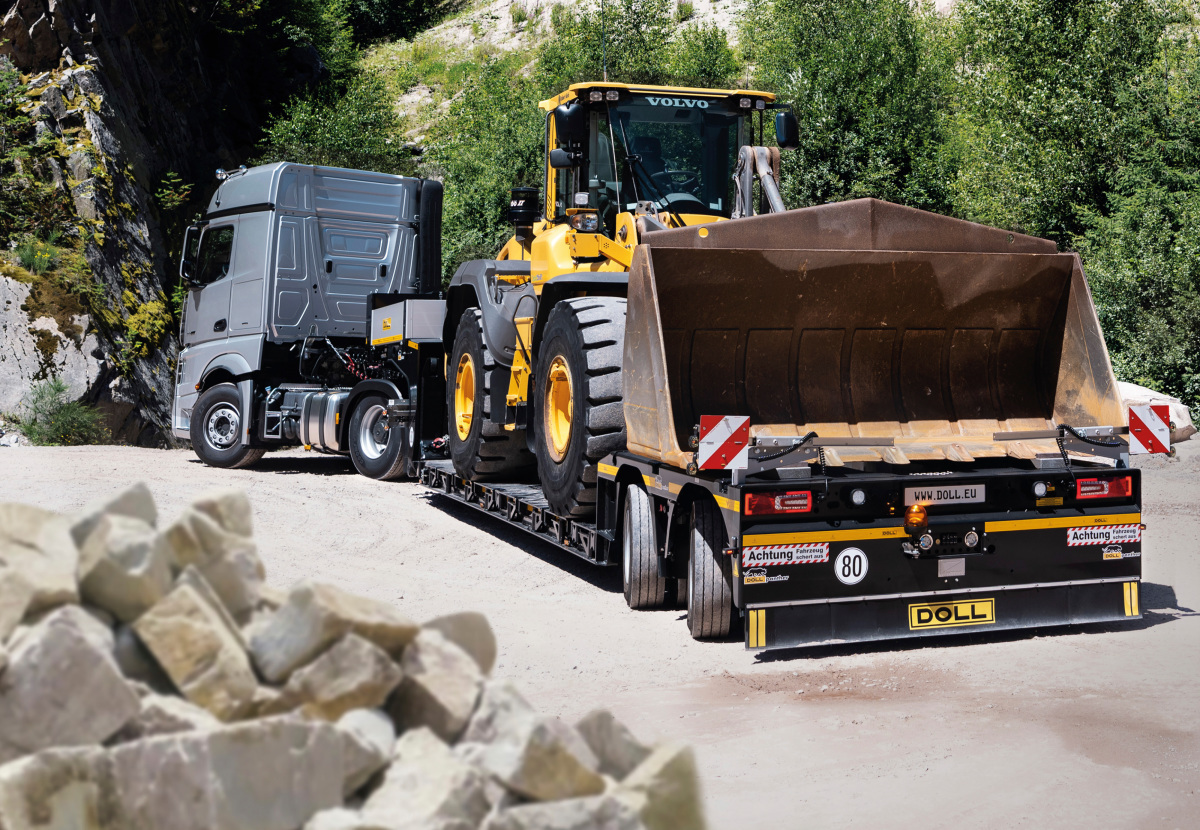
52, 418
684, 11
172, 192
1041, 91
638, 33
358, 129
700, 56
865, 78
518, 14
145, 328
489, 141
36, 257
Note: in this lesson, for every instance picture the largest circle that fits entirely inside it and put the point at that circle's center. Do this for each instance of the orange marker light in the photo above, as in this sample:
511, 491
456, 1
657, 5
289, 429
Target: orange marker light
916, 516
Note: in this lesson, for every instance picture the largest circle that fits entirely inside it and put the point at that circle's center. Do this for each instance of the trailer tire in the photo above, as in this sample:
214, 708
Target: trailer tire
382, 460
710, 575
578, 411
644, 588
479, 448
216, 429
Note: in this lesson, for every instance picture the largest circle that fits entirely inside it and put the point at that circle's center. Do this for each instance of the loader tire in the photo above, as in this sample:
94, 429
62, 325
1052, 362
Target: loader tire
378, 453
216, 429
644, 588
479, 448
577, 400
710, 575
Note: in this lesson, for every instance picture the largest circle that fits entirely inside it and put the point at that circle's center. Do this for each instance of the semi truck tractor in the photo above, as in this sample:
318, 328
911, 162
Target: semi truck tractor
841, 423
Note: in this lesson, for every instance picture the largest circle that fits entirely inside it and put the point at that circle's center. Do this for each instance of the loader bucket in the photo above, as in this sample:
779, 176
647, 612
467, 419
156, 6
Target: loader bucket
862, 319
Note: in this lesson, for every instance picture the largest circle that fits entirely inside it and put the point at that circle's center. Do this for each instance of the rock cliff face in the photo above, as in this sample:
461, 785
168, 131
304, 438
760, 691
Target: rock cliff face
129, 91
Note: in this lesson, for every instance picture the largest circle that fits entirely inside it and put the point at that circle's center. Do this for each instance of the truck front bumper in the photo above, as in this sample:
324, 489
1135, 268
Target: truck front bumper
937, 613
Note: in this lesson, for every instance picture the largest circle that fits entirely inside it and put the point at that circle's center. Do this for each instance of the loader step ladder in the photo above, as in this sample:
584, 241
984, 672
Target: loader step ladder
520, 505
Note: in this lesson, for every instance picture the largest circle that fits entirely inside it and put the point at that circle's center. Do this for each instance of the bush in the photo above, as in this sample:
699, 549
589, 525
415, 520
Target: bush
36, 257
358, 129
52, 418
700, 56
684, 11
518, 13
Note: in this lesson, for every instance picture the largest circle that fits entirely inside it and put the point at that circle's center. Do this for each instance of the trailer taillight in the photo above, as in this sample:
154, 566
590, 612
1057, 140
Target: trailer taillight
1104, 488
772, 504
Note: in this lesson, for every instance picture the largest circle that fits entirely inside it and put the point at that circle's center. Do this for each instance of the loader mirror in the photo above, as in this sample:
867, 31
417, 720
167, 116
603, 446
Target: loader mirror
560, 159
570, 125
787, 131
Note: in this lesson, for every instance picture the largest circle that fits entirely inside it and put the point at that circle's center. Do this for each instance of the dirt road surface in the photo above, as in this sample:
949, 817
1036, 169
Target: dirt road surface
1095, 727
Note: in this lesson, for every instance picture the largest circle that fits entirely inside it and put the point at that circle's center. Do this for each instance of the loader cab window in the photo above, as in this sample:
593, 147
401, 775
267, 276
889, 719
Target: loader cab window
216, 253
678, 153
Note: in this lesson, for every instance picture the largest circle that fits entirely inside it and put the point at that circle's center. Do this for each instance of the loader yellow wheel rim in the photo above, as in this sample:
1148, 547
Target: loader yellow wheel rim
464, 396
560, 408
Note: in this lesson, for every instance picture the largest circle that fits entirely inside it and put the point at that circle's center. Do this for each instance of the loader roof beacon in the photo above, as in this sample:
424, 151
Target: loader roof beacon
849, 422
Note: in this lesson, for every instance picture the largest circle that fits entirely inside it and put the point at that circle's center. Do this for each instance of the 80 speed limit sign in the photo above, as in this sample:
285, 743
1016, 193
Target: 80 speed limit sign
850, 566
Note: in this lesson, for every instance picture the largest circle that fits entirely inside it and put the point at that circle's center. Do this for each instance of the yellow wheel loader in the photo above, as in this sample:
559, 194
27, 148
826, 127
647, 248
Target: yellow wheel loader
534, 369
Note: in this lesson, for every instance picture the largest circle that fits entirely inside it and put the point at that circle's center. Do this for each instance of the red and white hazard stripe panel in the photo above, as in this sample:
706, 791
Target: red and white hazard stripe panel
724, 442
812, 553
1149, 429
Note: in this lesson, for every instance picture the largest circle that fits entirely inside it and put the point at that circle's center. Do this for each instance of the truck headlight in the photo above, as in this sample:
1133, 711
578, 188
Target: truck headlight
926, 542
1040, 489
971, 539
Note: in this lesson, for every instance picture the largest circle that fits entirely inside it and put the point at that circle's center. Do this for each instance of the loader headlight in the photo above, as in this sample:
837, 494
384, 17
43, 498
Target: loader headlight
971, 539
595, 95
586, 222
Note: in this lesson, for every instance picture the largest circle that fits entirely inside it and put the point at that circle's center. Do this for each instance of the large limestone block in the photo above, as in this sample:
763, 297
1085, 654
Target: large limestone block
614, 745
353, 674
540, 761
136, 662
228, 508
198, 652
191, 576
135, 502
502, 710
440, 688
316, 615
601, 812
270, 774
228, 561
367, 740
38, 559
61, 689
124, 567
165, 715
427, 786
664, 790
470, 631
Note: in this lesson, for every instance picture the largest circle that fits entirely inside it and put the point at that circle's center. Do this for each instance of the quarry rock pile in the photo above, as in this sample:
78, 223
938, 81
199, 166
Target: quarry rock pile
149, 678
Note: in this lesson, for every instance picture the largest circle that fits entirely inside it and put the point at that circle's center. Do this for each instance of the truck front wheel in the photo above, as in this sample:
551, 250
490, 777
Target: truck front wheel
710, 575
217, 426
377, 450
644, 588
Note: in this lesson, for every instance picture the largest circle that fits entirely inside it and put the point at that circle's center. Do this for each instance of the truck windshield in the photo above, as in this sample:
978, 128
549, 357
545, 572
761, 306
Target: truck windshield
216, 251
678, 153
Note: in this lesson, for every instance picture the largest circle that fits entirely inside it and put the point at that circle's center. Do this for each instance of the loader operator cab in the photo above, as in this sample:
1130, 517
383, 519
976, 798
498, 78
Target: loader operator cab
612, 148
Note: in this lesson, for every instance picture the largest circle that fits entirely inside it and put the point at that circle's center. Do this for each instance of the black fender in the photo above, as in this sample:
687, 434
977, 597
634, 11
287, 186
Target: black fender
566, 286
389, 390
475, 285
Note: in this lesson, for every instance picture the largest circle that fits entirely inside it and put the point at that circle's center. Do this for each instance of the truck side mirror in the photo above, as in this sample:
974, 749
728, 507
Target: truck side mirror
570, 125
787, 131
187, 271
560, 159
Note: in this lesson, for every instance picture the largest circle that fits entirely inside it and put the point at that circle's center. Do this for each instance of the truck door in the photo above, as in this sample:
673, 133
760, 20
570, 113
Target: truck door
207, 314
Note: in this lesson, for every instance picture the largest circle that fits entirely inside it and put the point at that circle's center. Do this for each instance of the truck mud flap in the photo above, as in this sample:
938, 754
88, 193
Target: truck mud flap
933, 615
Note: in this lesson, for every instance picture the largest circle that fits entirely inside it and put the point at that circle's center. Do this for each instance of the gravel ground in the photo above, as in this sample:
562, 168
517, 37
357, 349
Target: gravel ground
1093, 727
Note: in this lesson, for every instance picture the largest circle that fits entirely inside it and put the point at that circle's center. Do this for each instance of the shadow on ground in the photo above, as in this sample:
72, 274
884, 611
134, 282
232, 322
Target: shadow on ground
606, 578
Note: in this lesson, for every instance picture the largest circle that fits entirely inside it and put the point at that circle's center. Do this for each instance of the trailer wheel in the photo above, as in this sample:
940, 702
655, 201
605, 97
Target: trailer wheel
710, 580
644, 588
216, 429
378, 453
479, 448
577, 399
